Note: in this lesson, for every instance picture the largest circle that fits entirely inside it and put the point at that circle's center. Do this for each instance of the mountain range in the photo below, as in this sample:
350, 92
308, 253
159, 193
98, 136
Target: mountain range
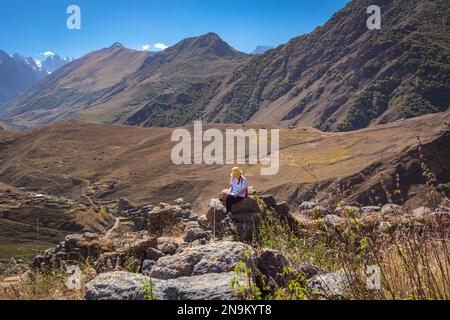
261, 49
340, 77
18, 73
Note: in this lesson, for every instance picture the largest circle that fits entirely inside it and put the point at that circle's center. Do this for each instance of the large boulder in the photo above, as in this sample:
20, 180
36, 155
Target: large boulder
71, 241
118, 285
283, 208
165, 216
269, 200
307, 205
153, 254
332, 220
420, 212
272, 263
141, 246
193, 232
210, 286
167, 246
391, 208
130, 286
247, 217
223, 195
245, 206
108, 261
216, 212
329, 285
214, 257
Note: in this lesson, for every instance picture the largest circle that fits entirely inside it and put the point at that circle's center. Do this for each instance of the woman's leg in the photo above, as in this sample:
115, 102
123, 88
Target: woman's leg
232, 200
229, 203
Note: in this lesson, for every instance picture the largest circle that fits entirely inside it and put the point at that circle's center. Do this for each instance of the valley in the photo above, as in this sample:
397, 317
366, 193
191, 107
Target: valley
110, 162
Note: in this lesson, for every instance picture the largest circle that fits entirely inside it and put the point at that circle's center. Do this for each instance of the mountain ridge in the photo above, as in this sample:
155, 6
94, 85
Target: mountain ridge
341, 76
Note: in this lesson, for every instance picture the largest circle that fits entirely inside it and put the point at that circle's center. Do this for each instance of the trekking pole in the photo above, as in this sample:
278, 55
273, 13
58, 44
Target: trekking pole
214, 224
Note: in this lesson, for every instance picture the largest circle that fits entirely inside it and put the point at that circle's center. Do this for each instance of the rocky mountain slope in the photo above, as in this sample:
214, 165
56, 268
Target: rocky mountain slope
54, 62
343, 76
340, 77
73, 86
17, 74
110, 84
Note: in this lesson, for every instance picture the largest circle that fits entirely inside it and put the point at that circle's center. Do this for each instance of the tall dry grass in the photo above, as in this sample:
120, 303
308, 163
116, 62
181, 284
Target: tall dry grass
413, 259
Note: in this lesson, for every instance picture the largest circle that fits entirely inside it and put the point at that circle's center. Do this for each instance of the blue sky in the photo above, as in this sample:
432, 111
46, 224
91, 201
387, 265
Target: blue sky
32, 27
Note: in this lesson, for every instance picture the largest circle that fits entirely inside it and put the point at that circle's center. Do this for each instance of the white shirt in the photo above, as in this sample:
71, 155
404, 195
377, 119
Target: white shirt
238, 189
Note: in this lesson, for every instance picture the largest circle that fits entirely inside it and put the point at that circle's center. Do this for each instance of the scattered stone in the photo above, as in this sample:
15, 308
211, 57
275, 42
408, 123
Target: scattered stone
203, 221
166, 246
347, 211
179, 201
384, 226
123, 204
147, 266
317, 212
306, 205
309, 271
370, 209
71, 241
193, 232
90, 236
141, 246
283, 208
391, 208
329, 285
110, 261
269, 200
153, 254
165, 216
440, 213
272, 263
419, 212
332, 220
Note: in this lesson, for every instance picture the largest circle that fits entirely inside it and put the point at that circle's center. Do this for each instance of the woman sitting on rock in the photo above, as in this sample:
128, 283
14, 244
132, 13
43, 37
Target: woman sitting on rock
238, 190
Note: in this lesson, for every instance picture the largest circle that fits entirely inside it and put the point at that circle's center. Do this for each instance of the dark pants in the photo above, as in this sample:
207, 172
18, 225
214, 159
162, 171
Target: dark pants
232, 200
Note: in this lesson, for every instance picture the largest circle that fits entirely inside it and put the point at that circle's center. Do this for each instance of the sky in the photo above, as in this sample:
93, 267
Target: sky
37, 27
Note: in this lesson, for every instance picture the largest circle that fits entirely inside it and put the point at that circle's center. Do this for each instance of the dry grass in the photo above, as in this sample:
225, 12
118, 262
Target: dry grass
413, 259
43, 286
415, 270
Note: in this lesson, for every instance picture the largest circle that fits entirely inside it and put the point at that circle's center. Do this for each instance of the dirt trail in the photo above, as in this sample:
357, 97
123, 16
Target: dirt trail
114, 227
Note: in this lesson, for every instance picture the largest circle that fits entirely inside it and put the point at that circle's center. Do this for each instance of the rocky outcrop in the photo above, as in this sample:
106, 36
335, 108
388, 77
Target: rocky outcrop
116, 286
271, 263
248, 205
131, 286
214, 257
165, 217
193, 232
108, 254
216, 212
